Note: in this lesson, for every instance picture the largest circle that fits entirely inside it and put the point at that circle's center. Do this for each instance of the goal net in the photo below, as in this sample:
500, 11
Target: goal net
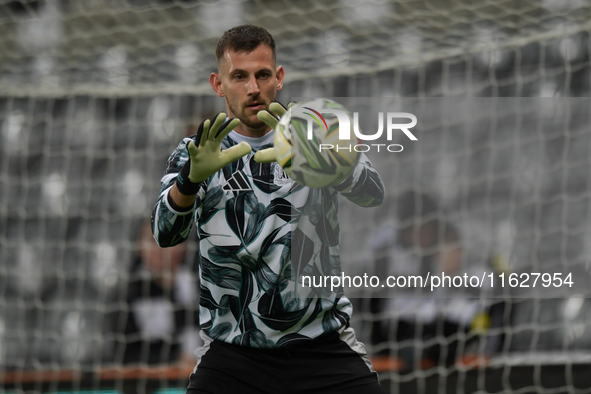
95, 95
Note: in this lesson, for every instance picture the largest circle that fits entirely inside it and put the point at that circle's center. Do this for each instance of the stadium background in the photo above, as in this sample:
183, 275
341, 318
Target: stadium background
95, 94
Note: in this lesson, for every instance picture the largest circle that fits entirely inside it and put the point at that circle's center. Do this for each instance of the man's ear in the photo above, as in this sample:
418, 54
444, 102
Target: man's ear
216, 83
280, 75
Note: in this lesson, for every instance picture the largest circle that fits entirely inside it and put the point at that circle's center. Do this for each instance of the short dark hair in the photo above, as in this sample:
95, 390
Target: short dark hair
244, 38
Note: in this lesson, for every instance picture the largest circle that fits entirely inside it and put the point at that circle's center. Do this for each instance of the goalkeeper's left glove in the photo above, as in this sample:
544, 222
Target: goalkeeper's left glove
271, 118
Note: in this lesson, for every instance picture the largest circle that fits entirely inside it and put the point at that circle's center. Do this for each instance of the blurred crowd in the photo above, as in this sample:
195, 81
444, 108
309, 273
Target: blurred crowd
416, 328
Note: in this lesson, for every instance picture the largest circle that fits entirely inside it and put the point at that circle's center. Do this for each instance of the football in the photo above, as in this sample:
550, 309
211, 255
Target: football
310, 146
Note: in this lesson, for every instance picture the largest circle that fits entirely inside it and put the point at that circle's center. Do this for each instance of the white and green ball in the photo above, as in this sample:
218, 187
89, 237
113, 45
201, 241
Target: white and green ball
301, 158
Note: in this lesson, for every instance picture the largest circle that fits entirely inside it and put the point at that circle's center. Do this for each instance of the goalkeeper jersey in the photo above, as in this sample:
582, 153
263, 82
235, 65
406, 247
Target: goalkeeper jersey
259, 233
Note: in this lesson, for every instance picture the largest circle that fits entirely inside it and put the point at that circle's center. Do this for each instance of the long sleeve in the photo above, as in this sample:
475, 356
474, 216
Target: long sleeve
172, 226
253, 235
364, 186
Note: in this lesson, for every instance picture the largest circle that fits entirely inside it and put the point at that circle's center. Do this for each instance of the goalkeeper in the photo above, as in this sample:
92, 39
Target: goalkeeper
258, 336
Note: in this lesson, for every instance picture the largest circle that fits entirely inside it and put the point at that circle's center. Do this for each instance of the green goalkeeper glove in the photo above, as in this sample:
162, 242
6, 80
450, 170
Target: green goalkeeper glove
207, 158
271, 118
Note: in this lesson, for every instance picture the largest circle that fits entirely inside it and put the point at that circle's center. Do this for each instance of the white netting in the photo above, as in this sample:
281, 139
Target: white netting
493, 186
119, 47
95, 94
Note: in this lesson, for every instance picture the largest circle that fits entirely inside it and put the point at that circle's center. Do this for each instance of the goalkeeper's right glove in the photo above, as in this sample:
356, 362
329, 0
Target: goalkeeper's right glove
206, 158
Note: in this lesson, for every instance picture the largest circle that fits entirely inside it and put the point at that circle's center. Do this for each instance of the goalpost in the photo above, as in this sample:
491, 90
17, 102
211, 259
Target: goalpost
95, 94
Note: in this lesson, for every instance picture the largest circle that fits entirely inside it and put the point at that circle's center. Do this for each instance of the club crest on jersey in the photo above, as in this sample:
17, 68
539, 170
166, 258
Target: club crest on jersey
280, 178
237, 183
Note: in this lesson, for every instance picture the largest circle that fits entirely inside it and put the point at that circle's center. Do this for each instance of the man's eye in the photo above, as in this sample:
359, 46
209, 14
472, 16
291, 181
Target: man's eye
239, 77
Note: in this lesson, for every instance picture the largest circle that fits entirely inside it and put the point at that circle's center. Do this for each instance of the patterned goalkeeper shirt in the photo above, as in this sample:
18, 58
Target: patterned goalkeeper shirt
259, 233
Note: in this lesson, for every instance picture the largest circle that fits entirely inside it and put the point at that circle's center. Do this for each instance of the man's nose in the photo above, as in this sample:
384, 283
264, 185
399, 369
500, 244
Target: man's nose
253, 86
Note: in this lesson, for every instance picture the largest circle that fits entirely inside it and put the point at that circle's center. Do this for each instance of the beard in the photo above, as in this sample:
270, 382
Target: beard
248, 122
253, 124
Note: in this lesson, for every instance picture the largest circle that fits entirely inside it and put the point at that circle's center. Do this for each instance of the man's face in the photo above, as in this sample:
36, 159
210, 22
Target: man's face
249, 82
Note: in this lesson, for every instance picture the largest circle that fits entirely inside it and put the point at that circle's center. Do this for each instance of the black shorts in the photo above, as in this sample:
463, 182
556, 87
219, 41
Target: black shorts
336, 364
